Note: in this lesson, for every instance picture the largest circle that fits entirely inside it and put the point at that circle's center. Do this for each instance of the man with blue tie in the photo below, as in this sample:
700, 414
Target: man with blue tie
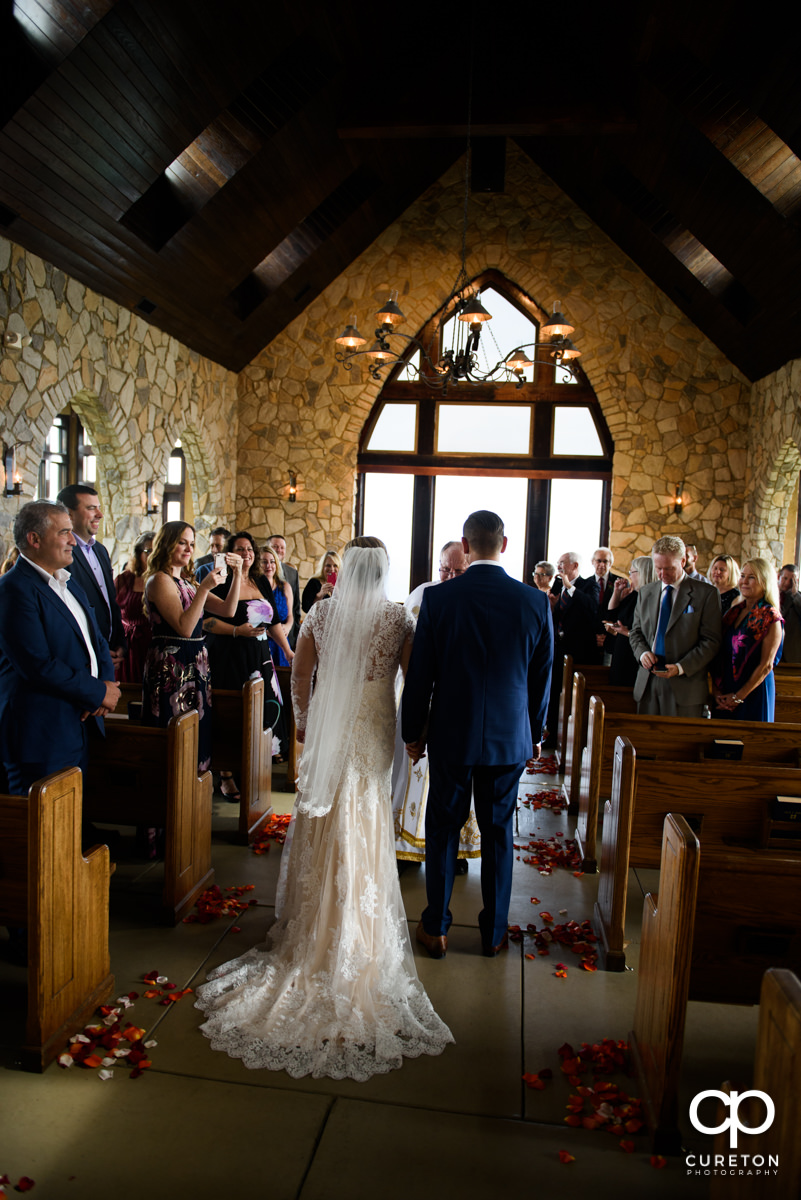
91, 565
56, 676
675, 635
476, 692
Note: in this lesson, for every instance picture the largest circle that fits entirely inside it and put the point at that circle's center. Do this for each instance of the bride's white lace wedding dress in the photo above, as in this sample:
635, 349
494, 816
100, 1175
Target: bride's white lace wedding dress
334, 992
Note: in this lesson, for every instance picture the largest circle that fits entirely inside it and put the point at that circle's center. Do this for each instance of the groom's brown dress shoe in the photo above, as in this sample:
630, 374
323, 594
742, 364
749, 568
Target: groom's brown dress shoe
492, 951
436, 946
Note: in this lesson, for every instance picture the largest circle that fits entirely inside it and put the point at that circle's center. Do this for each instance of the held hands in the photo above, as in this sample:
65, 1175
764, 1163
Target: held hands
416, 750
725, 701
110, 701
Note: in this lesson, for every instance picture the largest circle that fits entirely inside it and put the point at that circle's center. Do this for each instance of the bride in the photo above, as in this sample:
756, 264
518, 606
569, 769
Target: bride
334, 992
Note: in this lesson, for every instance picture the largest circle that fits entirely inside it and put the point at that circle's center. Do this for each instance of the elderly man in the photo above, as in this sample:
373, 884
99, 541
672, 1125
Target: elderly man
790, 600
56, 675
575, 617
452, 564
277, 542
675, 635
91, 564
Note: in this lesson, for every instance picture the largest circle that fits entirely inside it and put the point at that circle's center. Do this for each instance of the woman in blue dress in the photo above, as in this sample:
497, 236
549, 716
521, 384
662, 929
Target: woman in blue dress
176, 674
742, 673
282, 595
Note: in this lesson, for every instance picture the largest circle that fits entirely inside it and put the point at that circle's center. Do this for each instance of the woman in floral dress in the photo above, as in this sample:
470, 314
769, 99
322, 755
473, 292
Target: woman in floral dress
742, 672
176, 674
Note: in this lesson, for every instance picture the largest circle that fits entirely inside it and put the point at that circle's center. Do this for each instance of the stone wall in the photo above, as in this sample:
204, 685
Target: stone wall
136, 390
774, 460
677, 409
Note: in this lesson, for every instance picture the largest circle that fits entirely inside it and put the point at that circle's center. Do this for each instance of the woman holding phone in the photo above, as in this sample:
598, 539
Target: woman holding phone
321, 585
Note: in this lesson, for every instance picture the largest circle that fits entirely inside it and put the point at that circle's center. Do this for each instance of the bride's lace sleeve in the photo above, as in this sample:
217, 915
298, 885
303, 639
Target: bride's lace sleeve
303, 668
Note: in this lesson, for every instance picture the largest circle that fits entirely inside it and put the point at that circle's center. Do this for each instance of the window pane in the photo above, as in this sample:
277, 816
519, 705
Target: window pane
173, 510
483, 429
175, 468
395, 428
575, 519
406, 373
90, 469
574, 433
388, 515
507, 329
456, 496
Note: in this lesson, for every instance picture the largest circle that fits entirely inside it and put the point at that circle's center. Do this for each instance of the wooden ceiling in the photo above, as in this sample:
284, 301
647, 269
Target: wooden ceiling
214, 167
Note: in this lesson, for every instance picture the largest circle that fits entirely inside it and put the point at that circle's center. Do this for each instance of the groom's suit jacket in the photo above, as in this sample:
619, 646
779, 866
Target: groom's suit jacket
108, 616
692, 638
45, 678
481, 661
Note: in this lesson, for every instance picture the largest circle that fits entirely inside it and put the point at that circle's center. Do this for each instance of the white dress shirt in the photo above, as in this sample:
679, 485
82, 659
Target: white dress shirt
58, 583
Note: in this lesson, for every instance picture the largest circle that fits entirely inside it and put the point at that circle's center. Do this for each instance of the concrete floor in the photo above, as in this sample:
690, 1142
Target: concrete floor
460, 1125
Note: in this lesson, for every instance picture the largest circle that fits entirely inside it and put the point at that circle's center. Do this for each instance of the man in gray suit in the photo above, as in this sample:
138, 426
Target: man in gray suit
675, 635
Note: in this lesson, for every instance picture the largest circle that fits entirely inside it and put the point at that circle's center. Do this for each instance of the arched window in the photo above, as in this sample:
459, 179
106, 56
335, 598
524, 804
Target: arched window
68, 457
539, 455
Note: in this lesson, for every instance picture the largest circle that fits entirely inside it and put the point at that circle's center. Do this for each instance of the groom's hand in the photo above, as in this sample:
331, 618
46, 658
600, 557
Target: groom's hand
537, 751
416, 750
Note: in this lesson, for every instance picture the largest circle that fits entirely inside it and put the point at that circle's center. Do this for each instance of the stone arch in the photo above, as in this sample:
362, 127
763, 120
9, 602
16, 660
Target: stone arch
771, 498
204, 480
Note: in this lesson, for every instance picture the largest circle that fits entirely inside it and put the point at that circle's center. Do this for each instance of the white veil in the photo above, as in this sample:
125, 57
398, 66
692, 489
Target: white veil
350, 626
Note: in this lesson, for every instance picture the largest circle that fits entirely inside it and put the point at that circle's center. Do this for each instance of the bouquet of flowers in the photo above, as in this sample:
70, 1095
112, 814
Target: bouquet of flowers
260, 612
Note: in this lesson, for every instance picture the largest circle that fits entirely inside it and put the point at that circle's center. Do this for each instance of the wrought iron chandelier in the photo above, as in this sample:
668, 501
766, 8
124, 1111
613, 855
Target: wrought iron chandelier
439, 366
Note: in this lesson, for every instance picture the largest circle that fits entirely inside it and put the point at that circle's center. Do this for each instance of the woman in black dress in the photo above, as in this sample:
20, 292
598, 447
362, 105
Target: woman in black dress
624, 666
238, 644
724, 574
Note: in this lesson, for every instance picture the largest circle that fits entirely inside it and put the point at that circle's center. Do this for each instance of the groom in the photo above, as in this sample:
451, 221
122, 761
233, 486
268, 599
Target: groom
481, 662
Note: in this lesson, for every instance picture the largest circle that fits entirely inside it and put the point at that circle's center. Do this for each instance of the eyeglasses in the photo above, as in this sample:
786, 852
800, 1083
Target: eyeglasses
451, 571
540, 575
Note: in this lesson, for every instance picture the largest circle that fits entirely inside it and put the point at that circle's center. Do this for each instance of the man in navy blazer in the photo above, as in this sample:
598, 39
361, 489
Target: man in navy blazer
91, 565
476, 693
56, 675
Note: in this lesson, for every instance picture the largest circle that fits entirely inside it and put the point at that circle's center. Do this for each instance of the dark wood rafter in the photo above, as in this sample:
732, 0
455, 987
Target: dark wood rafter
228, 163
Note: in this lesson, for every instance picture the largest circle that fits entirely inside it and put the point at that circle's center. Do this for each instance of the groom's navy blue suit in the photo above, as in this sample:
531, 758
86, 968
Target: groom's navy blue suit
481, 662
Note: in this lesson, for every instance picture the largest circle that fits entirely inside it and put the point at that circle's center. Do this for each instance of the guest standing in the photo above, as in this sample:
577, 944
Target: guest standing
790, 598
282, 594
130, 589
176, 675
723, 574
742, 674
321, 585
624, 667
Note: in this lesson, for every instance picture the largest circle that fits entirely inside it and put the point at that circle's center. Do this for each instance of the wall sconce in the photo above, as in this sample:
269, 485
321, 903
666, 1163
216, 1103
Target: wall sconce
11, 473
677, 504
151, 508
293, 487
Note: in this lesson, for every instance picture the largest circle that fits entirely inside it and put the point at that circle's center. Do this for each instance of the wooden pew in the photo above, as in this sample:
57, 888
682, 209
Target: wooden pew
618, 699
657, 1039
674, 968
48, 885
595, 677
724, 803
143, 776
672, 738
777, 1066
788, 698
284, 677
239, 744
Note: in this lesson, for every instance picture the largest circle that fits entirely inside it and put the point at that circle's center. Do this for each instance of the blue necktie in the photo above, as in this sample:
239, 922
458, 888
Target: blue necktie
664, 617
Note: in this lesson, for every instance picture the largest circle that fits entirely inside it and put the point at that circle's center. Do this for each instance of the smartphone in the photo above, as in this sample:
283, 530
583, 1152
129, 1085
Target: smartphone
221, 565
332, 578
660, 663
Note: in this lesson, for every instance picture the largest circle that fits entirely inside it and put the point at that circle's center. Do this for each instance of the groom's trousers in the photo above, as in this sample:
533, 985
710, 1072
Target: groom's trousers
494, 789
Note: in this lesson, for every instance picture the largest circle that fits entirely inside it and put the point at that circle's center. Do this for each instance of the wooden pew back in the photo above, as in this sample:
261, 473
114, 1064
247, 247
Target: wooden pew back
143, 776
239, 744
48, 885
777, 1065
657, 1039
615, 699
664, 738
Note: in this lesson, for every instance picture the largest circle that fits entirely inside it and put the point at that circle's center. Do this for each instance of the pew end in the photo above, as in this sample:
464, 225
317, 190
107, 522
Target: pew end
139, 775
62, 895
657, 1039
241, 745
777, 1063
610, 906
